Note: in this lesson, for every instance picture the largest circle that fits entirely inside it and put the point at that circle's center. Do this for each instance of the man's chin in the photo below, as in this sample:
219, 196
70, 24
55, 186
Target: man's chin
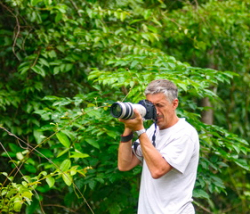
159, 119
159, 123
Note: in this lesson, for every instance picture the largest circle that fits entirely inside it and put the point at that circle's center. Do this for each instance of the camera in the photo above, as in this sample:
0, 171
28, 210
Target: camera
126, 110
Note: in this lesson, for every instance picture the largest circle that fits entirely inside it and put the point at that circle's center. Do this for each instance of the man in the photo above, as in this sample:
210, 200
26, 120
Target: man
170, 167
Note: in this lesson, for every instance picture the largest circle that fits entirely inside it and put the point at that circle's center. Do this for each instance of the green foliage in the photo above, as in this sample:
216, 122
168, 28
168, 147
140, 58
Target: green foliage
15, 195
63, 63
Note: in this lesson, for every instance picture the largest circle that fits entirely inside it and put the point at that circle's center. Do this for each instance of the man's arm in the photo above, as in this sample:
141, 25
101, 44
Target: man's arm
157, 165
126, 158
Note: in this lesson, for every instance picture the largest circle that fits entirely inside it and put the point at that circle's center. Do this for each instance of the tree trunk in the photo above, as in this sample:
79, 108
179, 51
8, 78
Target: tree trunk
207, 115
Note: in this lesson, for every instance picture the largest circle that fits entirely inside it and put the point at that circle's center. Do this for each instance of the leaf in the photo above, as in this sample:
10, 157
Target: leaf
68, 67
39, 70
15, 148
93, 142
19, 155
50, 181
56, 70
61, 48
67, 178
199, 193
183, 86
17, 204
73, 170
30, 168
78, 155
65, 165
58, 17
133, 64
44, 173
43, 62
92, 184
63, 152
48, 2
45, 152
63, 139
35, 2
27, 194
38, 136
242, 163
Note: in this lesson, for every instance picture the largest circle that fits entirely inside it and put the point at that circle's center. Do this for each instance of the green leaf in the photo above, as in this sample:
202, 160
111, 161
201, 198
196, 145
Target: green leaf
92, 184
65, 165
50, 181
27, 194
63, 152
93, 142
73, 170
63, 139
35, 2
58, 17
48, 2
43, 62
67, 178
17, 204
15, 148
133, 64
242, 163
30, 168
39, 70
78, 155
61, 48
38, 136
41, 174
45, 152
199, 193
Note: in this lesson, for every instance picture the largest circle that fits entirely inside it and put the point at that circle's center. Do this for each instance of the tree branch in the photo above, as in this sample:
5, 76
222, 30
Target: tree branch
75, 6
16, 32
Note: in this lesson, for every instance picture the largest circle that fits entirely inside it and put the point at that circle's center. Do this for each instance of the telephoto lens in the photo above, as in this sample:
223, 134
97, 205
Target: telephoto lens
126, 110
116, 110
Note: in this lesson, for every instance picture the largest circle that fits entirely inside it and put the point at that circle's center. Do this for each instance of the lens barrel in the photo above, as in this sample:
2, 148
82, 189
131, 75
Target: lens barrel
122, 110
126, 110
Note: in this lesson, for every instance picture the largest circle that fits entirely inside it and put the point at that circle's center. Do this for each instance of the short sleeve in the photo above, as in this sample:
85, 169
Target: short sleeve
179, 152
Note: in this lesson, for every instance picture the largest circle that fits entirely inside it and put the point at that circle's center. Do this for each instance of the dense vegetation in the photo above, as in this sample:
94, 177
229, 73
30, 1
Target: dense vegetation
64, 62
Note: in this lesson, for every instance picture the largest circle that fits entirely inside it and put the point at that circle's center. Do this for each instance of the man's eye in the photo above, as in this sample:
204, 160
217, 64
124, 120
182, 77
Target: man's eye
159, 105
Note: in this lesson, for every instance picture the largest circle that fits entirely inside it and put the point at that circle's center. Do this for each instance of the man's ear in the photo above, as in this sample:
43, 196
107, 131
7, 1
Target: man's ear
175, 103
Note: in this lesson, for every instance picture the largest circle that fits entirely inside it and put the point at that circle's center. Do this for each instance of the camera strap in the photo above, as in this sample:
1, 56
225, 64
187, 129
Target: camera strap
136, 143
154, 137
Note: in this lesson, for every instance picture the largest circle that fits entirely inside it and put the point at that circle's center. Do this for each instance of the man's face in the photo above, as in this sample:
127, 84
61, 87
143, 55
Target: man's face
166, 116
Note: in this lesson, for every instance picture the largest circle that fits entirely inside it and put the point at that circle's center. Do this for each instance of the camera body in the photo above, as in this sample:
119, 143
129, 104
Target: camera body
126, 110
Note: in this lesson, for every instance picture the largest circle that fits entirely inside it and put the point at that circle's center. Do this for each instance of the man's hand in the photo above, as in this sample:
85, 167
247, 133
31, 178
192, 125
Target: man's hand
134, 124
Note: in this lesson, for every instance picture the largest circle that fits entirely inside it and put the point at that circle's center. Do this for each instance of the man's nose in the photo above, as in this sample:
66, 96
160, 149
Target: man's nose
157, 110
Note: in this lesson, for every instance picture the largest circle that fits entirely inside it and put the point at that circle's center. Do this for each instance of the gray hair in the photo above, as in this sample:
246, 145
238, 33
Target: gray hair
162, 86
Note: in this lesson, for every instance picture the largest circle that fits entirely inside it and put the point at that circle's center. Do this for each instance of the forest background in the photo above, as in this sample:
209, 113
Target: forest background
64, 62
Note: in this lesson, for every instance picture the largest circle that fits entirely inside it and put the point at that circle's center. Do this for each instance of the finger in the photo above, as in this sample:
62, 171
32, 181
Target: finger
121, 120
136, 113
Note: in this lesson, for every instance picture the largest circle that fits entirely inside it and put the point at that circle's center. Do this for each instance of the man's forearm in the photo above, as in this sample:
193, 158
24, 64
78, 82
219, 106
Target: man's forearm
157, 165
125, 152
126, 158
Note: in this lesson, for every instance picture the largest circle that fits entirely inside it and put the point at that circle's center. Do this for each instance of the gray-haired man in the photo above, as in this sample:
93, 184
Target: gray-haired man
169, 167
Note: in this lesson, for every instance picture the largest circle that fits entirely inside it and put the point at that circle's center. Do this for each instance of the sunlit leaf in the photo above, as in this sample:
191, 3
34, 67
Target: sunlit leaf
67, 178
63, 139
65, 165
